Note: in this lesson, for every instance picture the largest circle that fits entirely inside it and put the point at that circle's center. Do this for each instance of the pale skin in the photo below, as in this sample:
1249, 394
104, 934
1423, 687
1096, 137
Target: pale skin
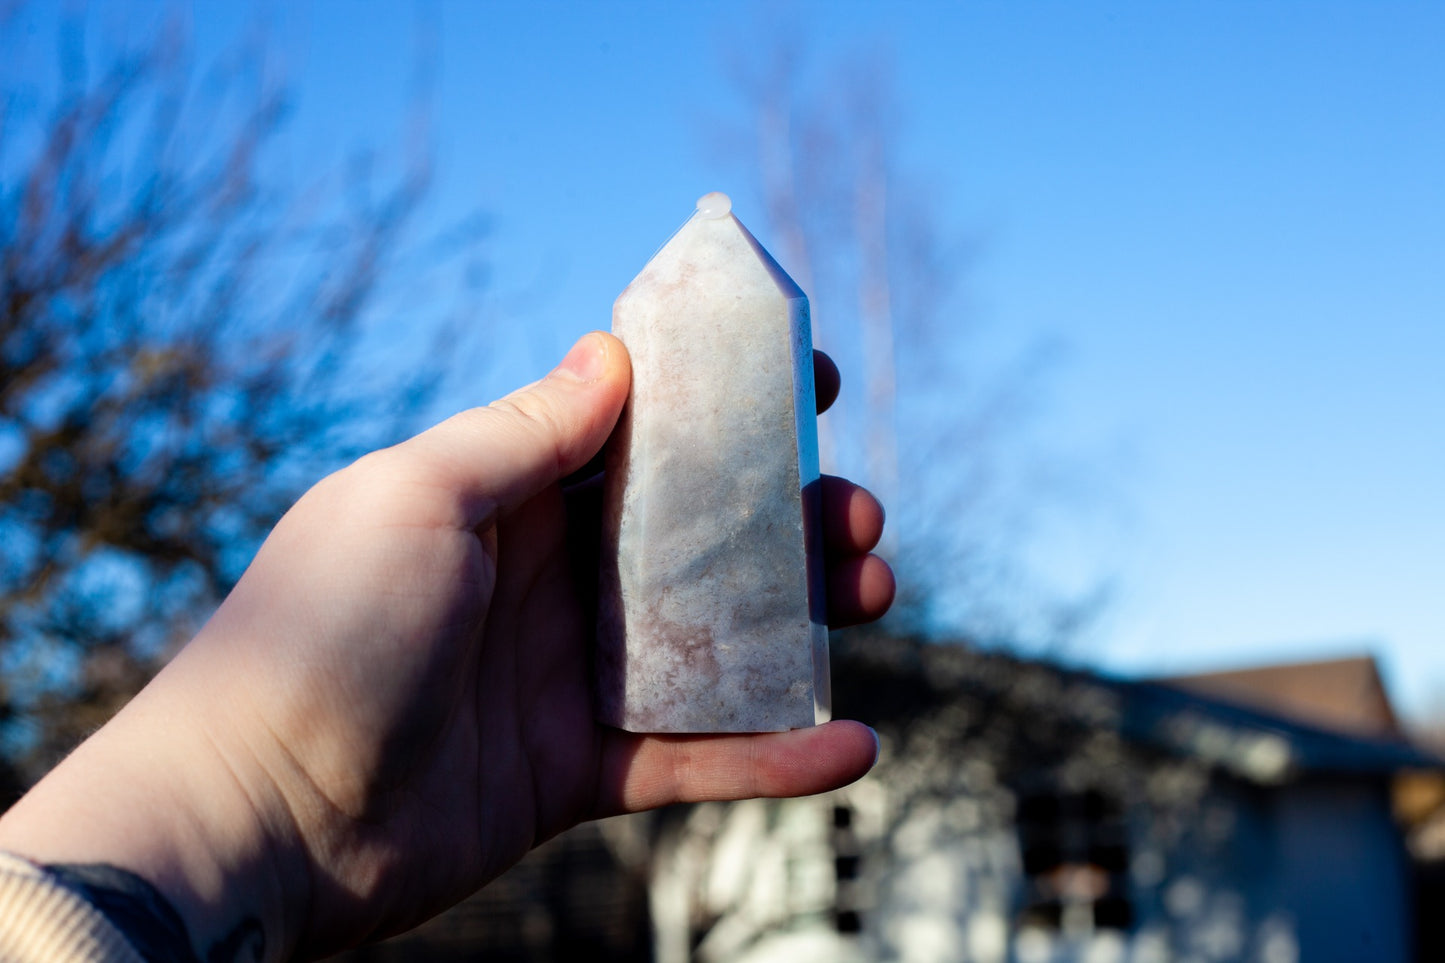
392, 706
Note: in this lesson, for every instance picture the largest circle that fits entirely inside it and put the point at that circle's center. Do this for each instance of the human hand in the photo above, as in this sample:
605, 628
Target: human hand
394, 703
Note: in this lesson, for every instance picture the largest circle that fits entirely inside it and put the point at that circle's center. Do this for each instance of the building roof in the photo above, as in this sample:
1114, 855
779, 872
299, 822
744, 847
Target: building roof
1267, 747
891, 679
1341, 695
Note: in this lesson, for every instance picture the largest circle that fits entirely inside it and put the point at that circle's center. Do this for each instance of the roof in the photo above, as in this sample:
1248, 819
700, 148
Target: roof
894, 679
1342, 695
1267, 747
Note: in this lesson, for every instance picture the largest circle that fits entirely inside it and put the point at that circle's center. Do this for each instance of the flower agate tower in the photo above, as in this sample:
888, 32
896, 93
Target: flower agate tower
710, 613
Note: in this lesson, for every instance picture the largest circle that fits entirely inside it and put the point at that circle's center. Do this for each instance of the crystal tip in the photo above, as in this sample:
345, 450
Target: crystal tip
714, 205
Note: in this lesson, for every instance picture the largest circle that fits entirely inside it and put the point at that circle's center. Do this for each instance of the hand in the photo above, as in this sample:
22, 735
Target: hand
393, 705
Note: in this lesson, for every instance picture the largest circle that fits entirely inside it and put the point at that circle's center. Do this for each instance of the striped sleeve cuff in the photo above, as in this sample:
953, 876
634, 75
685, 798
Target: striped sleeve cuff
44, 922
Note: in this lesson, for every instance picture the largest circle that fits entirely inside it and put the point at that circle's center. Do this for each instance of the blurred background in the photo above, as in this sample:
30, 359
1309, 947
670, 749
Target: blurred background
1140, 309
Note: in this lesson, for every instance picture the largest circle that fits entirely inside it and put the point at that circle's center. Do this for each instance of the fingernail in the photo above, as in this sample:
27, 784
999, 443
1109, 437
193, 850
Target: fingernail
877, 747
586, 361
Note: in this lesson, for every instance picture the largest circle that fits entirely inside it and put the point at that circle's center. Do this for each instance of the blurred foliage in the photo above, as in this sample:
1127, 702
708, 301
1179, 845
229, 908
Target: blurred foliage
183, 348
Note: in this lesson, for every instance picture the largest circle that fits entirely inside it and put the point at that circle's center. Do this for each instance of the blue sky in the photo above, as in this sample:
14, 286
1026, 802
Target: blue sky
1231, 215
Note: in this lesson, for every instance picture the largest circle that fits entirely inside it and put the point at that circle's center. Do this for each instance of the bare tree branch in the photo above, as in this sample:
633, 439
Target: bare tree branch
941, 437
181, 351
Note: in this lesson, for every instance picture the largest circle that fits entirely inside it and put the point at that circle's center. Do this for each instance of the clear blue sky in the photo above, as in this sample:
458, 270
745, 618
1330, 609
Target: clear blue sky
1233, 214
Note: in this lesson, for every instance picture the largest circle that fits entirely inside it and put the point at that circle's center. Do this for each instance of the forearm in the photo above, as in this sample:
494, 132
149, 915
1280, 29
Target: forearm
152, 795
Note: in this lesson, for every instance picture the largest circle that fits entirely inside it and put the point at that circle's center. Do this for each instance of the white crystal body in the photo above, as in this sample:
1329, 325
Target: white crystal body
710, 605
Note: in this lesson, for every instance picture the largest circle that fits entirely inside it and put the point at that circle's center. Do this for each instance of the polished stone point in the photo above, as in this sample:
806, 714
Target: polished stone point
710, 609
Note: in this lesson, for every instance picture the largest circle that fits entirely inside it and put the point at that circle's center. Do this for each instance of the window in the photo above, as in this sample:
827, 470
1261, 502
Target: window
846, 863
1075, 860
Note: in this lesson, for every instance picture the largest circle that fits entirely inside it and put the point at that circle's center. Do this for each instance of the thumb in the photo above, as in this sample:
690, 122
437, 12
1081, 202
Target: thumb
499, 456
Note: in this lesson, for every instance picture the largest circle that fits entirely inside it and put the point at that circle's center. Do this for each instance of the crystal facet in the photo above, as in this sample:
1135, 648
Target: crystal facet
710, 613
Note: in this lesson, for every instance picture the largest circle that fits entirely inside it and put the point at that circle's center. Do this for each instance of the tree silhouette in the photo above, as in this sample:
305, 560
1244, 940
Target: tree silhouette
181, 352
943, 437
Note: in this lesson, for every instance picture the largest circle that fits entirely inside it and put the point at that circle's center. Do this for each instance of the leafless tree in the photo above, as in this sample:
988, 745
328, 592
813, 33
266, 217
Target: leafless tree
183, 347
941, 436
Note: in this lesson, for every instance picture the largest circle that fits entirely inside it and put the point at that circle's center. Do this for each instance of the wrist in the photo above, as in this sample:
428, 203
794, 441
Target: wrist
151, 794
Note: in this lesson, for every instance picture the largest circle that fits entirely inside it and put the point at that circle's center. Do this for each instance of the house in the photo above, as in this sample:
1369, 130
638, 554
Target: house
1020, 812
1026, 812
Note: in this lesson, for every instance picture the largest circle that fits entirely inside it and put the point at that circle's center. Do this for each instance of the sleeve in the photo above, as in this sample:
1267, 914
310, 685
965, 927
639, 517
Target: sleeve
42, 921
